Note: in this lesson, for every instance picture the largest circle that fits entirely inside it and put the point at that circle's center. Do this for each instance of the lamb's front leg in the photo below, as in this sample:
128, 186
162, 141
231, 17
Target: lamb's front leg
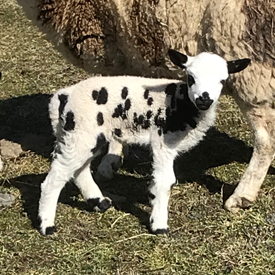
262, 122
159, 191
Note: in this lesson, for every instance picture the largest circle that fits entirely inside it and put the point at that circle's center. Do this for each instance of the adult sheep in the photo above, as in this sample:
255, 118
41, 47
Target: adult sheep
134, 35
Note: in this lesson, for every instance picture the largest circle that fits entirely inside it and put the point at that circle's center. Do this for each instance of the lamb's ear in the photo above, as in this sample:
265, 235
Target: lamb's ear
178, 58
236, 66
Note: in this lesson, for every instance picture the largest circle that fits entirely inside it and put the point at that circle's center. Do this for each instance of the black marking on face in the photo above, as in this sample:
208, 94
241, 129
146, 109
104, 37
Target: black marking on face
146, 94
100, 119
100, 142
178, 114
102, 96
118, 132
171, 89
70, 123
127, 105
183, 89
63, 101
184, 114
150, 101
190, 80
118, 111
95, 94
124, 93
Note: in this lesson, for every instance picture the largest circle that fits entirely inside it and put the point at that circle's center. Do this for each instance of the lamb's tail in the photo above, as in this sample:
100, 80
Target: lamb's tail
56, 109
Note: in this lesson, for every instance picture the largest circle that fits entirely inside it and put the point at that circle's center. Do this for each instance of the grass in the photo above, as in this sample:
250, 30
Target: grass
203, 238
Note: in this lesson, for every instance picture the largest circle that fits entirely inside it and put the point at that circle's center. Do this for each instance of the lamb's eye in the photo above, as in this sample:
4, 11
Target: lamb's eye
223, 82
190, 80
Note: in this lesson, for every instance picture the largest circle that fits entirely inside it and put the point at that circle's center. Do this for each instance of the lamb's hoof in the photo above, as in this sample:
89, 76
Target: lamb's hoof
100, 205
160, 231
235, 203
44, 229
50, 230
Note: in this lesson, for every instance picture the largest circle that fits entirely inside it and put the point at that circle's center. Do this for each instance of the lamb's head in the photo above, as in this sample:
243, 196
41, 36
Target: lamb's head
206, 75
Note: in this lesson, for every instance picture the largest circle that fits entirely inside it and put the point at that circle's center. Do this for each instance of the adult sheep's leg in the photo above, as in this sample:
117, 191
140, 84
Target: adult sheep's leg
262, 122
89, 189
159, 191
1, 164
112, 161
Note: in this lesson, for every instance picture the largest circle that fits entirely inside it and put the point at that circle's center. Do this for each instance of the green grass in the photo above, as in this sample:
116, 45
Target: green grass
203, 238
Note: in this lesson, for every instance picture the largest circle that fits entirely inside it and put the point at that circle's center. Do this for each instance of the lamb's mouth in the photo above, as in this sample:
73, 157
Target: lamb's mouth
203, 104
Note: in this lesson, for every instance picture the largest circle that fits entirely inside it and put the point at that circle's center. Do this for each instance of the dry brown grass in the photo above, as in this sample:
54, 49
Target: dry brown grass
203, 238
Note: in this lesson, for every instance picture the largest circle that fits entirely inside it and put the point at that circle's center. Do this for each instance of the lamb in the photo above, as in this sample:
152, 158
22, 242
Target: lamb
169, 115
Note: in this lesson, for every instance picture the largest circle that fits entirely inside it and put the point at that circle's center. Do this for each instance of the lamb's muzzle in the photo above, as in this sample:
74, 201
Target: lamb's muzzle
204, 102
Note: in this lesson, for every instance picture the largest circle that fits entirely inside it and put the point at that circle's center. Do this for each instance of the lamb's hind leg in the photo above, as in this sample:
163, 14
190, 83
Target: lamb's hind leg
62, 171
262, 122
89, 189
112, 161
71, 161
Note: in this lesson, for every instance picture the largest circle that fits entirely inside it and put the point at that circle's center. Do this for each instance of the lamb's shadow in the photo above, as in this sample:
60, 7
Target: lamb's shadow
215, 150
188, 168
25, 120
134, 191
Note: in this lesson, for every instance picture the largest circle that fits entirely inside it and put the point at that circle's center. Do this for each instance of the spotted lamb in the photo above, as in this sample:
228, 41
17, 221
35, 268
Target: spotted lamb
169, 115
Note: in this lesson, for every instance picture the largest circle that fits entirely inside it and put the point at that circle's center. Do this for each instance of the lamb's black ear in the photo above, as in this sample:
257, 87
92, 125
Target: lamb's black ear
178, 58
236, 66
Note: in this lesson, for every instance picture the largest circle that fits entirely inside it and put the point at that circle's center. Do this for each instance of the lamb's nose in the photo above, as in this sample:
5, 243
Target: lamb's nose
205, 96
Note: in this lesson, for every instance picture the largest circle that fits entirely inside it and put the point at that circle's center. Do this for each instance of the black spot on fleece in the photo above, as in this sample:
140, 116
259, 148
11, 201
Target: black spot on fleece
100, 96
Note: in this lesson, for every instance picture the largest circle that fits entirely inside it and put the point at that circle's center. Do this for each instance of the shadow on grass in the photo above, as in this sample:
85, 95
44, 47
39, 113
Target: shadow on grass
24, 120
133, 190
